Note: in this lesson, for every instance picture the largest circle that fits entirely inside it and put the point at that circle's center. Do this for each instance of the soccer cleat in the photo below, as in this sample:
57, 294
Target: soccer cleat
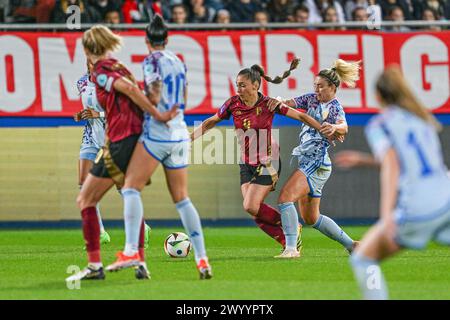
141, 272
124, 262
104, 238
87, 273
354, 246
289, 254
204, 269
147, 235
299, 240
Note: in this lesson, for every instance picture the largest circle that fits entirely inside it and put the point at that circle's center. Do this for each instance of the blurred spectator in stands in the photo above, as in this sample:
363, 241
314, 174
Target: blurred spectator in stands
280, 10
243, 10
351, 5
179, 14
396, 14
113, 17
374, 15
330, 16
430, 14
4, 10
215, 4
387, 5
441, 7
317, 10
201, 13
300, 14
222, 16
360, 14
261, 17
104, 6
31, 11
88, 13
140, 11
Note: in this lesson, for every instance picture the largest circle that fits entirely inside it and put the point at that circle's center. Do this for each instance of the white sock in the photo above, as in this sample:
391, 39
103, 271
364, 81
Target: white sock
133, 213
329, 228
192, 225
95, 265
369, 277
289, 221
100, 221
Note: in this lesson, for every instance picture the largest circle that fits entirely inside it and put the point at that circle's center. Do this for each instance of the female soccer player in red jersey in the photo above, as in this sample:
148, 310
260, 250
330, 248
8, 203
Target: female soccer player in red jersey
252, 115
124, 103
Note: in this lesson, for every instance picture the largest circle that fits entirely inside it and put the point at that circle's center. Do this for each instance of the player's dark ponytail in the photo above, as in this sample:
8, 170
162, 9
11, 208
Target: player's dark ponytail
255, 72
157, 31
278, 79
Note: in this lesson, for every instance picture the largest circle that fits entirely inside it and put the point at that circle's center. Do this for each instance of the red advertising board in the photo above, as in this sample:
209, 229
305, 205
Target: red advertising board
38, 71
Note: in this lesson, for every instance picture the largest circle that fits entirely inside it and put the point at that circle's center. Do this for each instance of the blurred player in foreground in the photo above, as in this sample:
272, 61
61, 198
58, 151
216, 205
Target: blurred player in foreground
415, 188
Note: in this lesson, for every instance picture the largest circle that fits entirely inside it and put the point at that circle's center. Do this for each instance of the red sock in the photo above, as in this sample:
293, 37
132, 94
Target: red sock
275, 232
269, 215
141, 242
91, 233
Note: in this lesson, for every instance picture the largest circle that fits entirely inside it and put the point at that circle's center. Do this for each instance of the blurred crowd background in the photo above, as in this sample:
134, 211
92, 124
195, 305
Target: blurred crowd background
228, 11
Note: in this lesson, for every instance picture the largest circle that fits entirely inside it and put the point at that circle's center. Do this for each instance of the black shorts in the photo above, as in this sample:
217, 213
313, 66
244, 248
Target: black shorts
113, 159
264, 175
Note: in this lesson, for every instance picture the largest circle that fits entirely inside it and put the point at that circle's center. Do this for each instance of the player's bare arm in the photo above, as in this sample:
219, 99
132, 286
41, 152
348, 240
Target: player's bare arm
154, 92
350, 159
290, 103
339, 129
389, 174
128, 88
77, 116
303, 117
205, 126
90, 114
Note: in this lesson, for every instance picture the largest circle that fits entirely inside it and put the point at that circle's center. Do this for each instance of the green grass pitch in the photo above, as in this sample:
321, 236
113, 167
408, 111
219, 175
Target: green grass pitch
34, 265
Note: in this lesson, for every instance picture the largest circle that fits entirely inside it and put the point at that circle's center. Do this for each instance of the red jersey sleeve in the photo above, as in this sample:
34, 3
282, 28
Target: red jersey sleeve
224, 112
105, 78
282, 109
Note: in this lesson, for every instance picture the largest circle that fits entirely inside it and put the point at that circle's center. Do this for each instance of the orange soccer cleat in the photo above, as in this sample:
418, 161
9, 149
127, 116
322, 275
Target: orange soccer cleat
124, 262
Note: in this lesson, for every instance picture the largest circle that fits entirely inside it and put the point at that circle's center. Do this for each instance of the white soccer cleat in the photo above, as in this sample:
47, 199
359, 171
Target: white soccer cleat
88, 273
289, 254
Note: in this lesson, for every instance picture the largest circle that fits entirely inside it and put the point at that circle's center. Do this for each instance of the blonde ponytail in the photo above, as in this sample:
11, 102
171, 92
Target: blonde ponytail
348, 72
342, 71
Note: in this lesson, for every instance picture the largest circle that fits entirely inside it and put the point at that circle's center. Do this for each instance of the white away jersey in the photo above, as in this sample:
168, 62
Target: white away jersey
424, 187
94, 130
166, 67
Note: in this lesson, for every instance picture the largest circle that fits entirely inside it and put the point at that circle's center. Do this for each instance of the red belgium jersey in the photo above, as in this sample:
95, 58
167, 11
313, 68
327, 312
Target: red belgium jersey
253, 128
123, 117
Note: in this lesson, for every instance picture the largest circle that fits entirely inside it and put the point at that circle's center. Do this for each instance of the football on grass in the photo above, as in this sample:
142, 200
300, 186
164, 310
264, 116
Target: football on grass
177, 245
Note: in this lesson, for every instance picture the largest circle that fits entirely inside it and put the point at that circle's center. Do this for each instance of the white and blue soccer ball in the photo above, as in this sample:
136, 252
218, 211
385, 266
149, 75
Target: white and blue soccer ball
177, 245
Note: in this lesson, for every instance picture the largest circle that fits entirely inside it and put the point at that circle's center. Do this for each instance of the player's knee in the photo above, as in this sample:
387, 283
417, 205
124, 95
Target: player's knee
84, 201
131, 183
309, 219
285, 196
80, 201
251, 208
